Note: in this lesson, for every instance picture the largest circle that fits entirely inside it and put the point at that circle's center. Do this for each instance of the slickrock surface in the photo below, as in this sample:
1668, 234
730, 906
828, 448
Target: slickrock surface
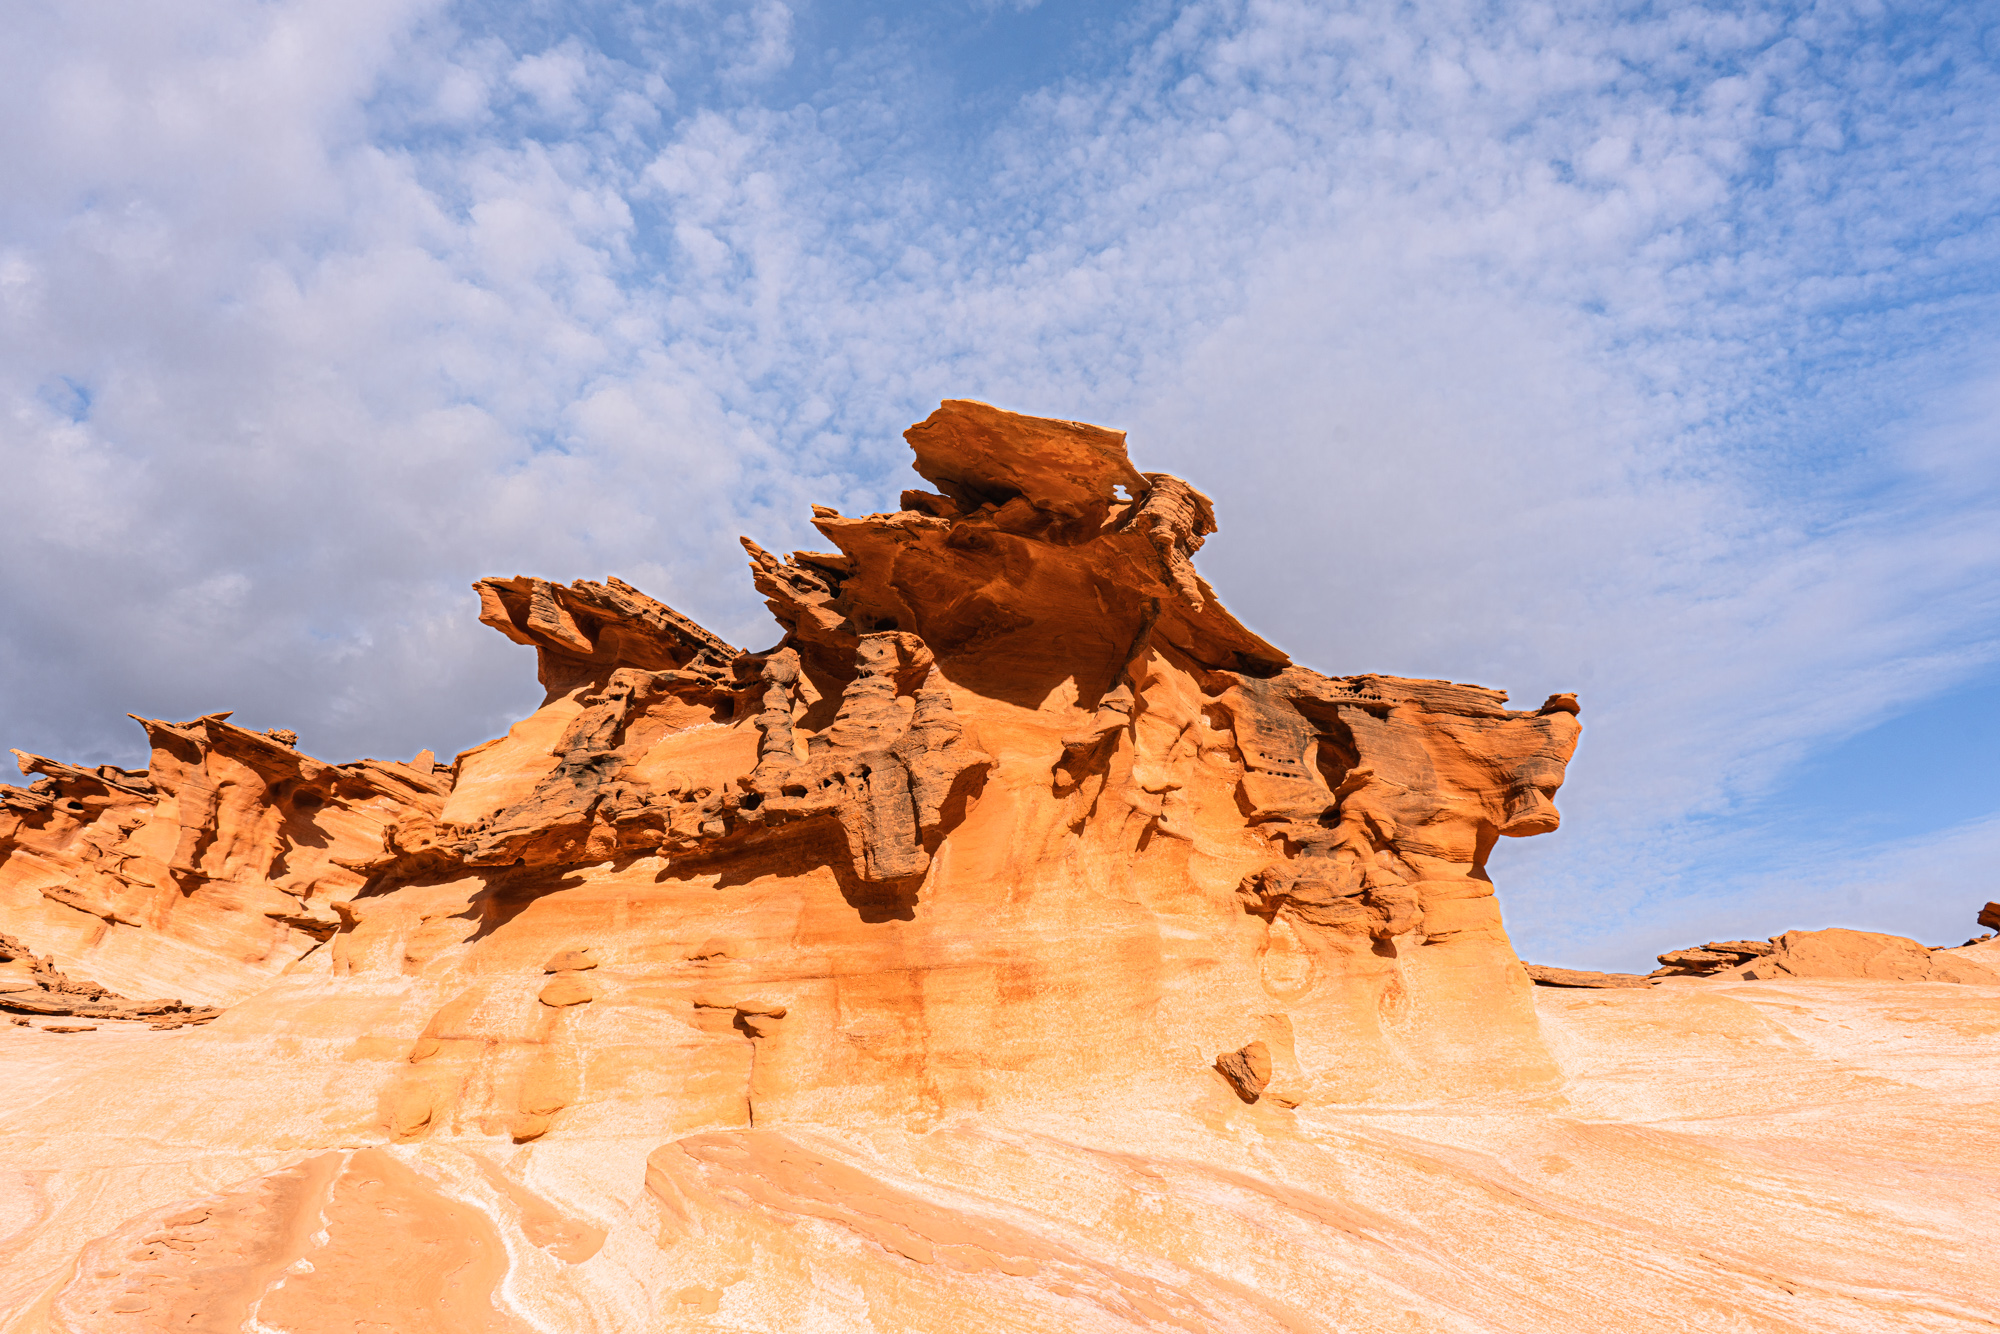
1021, 944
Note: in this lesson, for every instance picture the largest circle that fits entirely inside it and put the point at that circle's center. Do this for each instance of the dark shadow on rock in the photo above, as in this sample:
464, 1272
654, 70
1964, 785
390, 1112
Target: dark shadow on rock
877, 901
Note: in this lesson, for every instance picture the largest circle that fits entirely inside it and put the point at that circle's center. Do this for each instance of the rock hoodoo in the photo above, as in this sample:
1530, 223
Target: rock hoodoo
1000, 948
1007, 712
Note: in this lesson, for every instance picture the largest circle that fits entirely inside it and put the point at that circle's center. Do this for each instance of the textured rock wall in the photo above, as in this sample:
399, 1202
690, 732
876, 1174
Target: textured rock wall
207, 872
1014, 809
1013, 816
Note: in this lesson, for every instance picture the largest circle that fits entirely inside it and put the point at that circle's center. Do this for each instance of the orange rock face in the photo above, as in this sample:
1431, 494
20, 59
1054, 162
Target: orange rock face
1020, 943
1863, 954
211, 870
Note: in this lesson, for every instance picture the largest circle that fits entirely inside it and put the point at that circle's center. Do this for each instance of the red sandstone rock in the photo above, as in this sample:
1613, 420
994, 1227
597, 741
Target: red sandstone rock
388, 1247
1712, 958
1832, 953
574, 960
566, 989
36, 986
876, 981
1015, 818
1862, 954
1248, 1070
209, 871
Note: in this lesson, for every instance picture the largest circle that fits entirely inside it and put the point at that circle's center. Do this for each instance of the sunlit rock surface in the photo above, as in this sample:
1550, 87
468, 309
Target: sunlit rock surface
1020, 943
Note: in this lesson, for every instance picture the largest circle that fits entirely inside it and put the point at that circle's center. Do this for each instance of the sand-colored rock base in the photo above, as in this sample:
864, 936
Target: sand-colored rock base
1775, 1155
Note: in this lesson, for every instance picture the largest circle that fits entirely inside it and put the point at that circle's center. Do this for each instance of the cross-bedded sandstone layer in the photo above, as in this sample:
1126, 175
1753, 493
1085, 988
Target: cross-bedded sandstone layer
1013, 943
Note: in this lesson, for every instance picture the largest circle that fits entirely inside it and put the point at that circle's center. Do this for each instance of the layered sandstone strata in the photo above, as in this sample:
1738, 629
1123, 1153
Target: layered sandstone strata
1019, 942
207, 872
35, 986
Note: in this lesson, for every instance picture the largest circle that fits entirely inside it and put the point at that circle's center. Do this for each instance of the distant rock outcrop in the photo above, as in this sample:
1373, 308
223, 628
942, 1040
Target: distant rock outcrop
1831, 953
35, 987
1862, 954
1543, 976
1712, 958
213, 868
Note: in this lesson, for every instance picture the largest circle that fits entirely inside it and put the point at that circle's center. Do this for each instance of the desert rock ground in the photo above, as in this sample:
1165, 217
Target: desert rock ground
1761, 1155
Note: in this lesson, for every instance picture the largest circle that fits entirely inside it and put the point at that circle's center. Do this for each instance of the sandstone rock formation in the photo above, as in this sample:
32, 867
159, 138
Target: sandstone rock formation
209, 871
1714, 957
1543, 976
35, 986
1020, 942
1840, 953
1832, 953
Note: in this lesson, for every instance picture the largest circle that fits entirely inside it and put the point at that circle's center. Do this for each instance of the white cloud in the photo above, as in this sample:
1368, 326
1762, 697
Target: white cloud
759, 39
552, 78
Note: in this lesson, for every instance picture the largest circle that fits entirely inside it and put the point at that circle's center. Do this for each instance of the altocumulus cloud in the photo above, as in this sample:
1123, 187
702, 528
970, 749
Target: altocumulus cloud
1647, 352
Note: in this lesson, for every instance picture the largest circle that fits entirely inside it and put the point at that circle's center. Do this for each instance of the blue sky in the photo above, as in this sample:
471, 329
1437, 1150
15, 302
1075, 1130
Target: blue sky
1647, 352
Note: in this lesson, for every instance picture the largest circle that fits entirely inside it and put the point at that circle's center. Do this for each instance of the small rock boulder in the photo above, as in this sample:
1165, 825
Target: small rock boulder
566, 989
1248, 1070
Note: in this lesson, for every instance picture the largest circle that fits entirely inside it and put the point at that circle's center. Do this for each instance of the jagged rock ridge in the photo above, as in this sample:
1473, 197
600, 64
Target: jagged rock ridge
1003, 948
